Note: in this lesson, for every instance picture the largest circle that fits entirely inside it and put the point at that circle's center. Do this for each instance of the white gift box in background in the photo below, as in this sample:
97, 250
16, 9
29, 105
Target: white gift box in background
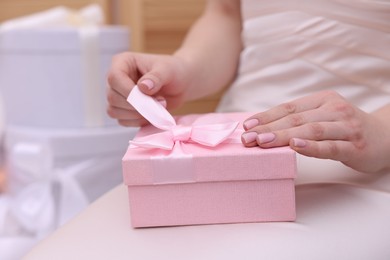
75, 166
56, 77
62, 151
52, 176
33, 154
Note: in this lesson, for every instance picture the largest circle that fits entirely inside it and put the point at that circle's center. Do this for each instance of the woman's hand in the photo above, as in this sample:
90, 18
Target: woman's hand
324, 125
205, 63
162, 76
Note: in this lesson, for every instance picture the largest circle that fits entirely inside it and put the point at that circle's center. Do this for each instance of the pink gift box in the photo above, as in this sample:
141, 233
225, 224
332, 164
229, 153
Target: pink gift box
195, 184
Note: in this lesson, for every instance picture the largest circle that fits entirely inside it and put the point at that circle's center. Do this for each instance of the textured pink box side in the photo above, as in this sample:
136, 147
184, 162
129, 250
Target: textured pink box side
212, 203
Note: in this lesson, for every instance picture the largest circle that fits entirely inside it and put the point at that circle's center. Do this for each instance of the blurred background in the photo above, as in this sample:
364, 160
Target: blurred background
157, 26
55, 160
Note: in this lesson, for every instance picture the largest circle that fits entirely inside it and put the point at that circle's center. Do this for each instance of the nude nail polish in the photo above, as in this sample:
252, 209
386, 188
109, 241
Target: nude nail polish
148, 83
251, 123
249, 137
299, 142
265, 138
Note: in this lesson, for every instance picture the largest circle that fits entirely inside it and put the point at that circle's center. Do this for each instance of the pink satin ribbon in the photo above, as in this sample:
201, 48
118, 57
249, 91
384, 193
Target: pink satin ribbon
206, 130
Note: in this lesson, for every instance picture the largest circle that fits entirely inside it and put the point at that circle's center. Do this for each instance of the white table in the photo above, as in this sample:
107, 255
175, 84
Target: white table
346, 219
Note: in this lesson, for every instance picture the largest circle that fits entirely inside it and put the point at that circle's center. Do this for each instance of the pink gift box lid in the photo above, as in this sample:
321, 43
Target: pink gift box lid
225, 162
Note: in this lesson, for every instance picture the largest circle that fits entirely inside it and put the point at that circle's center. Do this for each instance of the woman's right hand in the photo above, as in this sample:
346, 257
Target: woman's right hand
161, 76
205, 63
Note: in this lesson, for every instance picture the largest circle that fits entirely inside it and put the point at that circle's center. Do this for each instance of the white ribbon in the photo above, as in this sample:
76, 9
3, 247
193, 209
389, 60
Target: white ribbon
91, 71
39, 209
52, 199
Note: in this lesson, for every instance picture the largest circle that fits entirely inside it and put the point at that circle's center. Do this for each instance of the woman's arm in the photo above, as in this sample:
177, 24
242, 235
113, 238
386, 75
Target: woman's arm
206, 62
212, 48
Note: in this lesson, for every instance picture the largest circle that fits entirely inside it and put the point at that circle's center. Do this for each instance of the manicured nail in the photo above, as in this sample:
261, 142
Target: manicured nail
148, 83
251, 123
265, 138
249, 137
299, 142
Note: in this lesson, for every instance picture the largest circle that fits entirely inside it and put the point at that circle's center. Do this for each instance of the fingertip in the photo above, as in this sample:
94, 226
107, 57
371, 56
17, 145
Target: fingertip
266, 139
251, 144
250, 123
301, 146
146, 85
133, 122
249, 139
298, 143
151, 82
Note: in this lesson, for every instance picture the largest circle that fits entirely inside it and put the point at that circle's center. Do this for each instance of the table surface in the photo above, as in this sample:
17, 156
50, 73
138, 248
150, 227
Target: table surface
341, 214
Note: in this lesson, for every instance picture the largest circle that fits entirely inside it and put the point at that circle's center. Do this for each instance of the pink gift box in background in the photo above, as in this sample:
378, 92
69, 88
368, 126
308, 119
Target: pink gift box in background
195, 184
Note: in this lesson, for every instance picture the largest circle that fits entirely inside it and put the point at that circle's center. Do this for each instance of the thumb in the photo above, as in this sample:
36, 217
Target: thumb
152, 82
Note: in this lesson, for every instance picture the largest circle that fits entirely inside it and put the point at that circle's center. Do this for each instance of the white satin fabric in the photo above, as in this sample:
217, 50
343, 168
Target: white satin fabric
297, 47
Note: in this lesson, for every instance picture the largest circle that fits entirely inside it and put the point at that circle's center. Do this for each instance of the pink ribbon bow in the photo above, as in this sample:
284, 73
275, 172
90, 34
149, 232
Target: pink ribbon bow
208, 131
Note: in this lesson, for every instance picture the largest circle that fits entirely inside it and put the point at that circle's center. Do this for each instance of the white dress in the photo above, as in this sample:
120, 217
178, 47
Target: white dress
296, 47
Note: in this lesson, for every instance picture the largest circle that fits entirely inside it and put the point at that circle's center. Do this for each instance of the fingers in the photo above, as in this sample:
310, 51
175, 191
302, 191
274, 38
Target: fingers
119, 88
122, 114
117, 100
152, 81
151, 72
334, 150
133, 123
322, 116
324, 126
126, 117
281, 111
294, 120
297, 112
313, 131
122, 74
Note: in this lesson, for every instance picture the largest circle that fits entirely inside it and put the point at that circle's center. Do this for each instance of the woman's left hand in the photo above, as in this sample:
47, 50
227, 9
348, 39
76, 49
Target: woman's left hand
324, 125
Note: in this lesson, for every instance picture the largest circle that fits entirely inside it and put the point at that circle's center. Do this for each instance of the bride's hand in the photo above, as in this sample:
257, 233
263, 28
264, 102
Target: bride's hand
324, 125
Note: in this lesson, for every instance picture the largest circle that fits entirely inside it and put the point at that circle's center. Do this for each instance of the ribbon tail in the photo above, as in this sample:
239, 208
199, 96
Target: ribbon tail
206, 130
151, 109
71, 200
14, 243
34, 207
213, 135
160, 140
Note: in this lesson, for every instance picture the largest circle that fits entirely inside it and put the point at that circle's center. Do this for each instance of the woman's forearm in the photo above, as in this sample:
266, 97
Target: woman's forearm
212, 48
383, 115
